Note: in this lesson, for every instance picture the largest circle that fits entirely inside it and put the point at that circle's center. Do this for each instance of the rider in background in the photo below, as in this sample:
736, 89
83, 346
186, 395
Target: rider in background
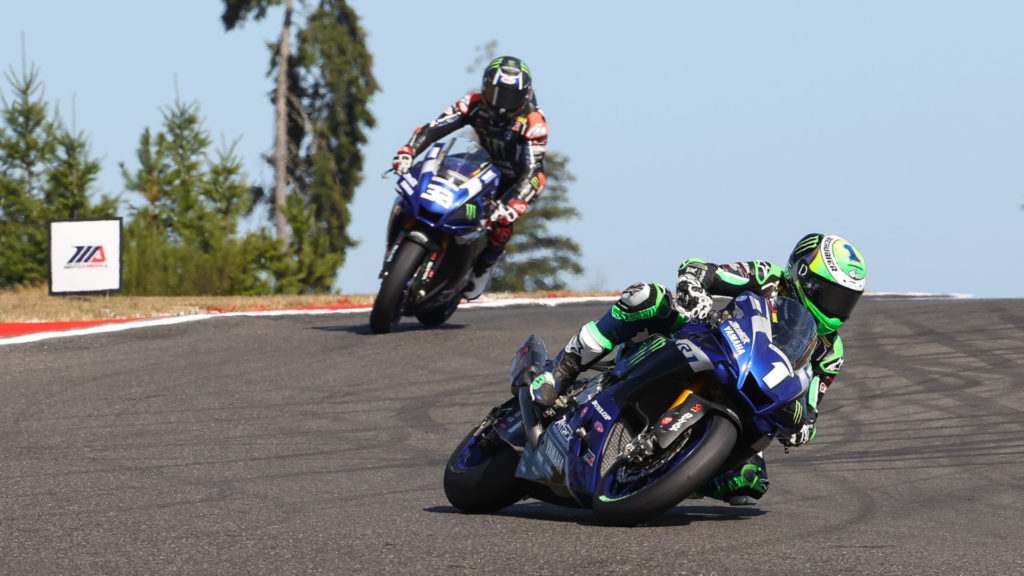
825, 273
512, 129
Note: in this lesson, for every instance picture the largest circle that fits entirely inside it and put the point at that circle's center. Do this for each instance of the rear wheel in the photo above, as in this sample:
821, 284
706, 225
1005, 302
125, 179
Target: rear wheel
635, 490
387, 307
480, 475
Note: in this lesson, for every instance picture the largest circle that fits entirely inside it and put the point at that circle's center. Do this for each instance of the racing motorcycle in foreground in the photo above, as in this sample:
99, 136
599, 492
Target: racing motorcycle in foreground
435, 232
650, 428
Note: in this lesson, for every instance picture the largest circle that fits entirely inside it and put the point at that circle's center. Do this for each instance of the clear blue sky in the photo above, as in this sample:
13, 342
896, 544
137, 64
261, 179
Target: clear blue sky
711, 129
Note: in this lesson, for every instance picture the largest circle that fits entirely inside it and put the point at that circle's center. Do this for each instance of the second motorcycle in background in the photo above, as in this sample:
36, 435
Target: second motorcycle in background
435, 232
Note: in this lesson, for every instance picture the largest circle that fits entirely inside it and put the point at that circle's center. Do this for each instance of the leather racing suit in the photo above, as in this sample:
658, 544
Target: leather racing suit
516, 145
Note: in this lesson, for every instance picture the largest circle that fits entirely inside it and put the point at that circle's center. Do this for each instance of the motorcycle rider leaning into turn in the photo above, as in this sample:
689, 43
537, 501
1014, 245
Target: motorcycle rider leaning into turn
511, 128
825, 273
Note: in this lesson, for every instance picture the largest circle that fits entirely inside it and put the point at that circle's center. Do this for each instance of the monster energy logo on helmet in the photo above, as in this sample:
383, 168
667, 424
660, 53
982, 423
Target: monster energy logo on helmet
807, 243
509, 61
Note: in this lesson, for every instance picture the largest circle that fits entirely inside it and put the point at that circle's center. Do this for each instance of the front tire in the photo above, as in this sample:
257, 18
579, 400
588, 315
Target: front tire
387, 307
629, 494
480, 475
437, 316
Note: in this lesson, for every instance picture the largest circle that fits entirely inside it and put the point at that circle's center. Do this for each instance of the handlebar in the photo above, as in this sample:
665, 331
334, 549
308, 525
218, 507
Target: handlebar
716, 317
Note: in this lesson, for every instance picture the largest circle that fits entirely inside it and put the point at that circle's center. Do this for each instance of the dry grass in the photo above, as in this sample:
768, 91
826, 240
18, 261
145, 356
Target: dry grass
36, 304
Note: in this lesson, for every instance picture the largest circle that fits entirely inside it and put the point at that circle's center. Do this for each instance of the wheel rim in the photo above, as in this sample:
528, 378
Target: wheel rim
631, 472
628, 478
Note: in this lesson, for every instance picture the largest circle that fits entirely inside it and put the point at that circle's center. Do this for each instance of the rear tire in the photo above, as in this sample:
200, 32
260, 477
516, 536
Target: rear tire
480, 475
626, 498
387, 307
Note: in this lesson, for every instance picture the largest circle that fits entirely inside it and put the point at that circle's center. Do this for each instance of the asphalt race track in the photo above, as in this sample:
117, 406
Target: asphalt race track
306, 445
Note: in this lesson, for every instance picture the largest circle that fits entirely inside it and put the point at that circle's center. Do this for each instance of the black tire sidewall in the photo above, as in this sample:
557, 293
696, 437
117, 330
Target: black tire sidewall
699, 467
385, 313
487, 487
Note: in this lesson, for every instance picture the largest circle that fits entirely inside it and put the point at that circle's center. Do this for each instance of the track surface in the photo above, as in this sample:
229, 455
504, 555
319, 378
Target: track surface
306, 445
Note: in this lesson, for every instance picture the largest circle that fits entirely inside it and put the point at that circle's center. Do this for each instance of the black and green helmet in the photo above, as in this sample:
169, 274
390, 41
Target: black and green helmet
507, 85
827, 275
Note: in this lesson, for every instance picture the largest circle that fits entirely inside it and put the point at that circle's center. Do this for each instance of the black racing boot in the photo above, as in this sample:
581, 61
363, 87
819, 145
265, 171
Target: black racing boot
742, 486
551, 383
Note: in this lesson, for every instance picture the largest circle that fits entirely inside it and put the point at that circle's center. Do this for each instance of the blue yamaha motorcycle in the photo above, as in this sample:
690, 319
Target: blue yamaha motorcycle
656, 425
435, 232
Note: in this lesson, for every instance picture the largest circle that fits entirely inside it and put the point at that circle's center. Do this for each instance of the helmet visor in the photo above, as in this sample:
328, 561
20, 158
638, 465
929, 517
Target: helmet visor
504, 99
831, 299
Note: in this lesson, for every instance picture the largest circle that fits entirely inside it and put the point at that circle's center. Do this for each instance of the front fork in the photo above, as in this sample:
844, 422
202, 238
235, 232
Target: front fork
418, 287
392, 241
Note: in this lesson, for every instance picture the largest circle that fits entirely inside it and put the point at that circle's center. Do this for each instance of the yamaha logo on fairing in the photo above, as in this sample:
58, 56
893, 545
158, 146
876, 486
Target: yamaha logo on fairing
735, 338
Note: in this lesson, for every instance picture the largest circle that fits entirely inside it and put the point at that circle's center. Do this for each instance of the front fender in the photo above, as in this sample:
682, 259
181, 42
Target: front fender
424, 236
685, 415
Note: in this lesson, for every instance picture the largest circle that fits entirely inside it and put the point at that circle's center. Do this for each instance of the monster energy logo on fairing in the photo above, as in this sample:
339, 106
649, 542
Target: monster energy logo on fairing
655, 343
471, 211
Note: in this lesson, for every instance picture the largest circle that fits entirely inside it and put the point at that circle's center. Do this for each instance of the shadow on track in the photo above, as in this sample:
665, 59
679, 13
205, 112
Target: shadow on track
406, 327
679, 516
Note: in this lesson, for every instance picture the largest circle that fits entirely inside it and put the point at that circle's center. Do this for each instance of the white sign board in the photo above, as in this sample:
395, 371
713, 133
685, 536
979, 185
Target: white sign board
85, 256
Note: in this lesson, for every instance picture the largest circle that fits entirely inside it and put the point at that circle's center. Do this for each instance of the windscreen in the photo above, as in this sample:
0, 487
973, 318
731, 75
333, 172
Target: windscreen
462, 159
794, 330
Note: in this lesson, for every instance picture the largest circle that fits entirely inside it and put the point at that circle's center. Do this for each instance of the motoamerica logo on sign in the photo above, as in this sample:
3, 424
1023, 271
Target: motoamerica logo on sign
87, 257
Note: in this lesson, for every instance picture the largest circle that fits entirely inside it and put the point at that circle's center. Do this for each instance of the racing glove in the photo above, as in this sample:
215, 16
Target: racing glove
508, 213
402, 160
803, 436
692, 301
806, 432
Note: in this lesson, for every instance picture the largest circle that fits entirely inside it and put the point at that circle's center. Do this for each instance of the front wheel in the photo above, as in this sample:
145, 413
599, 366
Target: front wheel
387, 307
437, 316
480, 475
632, 492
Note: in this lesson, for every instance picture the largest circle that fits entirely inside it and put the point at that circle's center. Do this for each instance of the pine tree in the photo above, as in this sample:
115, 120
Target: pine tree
536, 258
331, 84
184, 240
70, 176
26, 145
46, 174
236, 12
322, 96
